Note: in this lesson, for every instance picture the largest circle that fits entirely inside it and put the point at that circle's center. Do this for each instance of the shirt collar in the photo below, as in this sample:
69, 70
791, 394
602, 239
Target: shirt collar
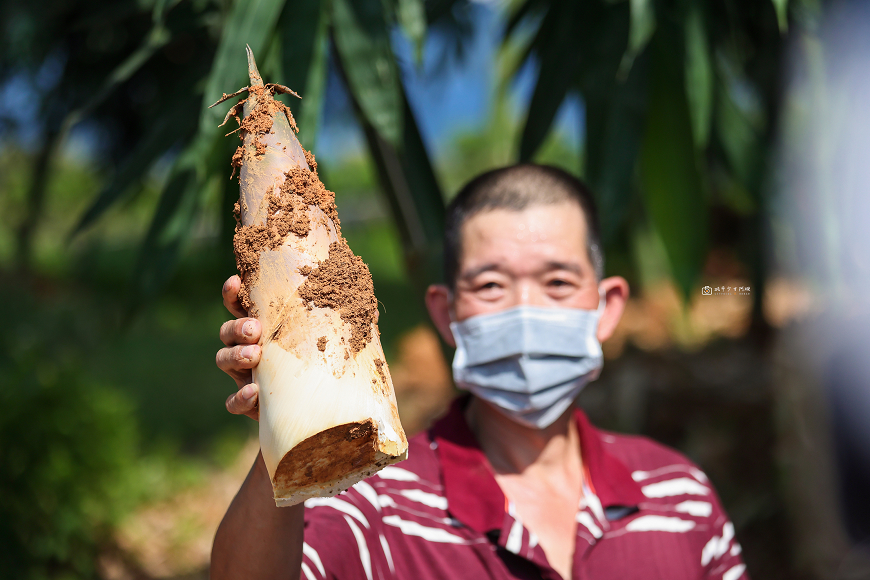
473, 495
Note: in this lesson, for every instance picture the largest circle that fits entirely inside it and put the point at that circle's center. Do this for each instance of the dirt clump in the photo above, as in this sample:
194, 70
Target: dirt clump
306, 184
343, 283
321, 343
286, 214
258, 122
380, 365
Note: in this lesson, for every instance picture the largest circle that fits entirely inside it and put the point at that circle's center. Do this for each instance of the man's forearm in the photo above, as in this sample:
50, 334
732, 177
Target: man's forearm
255, 538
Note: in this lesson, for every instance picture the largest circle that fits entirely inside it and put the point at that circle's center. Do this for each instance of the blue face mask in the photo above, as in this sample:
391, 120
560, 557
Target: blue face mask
529, 362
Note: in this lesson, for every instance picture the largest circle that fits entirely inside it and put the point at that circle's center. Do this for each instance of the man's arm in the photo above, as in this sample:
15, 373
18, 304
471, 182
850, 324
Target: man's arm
255, 538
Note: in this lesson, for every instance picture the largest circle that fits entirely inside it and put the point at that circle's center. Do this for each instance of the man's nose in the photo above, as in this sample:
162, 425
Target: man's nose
529, 294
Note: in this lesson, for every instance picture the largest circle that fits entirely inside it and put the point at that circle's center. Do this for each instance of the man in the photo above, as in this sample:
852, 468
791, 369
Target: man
513, 482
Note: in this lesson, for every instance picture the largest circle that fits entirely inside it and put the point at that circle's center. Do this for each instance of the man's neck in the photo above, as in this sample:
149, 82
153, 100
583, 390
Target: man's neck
514, 449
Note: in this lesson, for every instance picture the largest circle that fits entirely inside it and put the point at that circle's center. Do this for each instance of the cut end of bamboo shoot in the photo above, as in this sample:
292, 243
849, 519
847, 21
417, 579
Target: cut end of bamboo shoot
305, 473
328, 415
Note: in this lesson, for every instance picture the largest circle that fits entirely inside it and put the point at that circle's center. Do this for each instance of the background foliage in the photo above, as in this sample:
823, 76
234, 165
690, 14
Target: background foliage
117, 220
680, 101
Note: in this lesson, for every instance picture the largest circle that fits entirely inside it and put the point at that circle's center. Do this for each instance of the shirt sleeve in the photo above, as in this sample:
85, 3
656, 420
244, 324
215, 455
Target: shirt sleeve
344, 538
721, 555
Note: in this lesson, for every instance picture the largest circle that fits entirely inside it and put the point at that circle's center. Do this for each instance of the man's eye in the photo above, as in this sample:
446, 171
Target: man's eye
559, 282
489, 286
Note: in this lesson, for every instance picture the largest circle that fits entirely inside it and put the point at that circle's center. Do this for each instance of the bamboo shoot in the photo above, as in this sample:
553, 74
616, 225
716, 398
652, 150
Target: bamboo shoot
328, 414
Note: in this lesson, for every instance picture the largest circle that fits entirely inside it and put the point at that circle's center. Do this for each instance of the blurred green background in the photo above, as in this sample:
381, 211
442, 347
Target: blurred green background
117, 457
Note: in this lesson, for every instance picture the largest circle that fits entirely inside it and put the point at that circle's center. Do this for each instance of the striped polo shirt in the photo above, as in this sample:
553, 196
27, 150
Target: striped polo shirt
647, 513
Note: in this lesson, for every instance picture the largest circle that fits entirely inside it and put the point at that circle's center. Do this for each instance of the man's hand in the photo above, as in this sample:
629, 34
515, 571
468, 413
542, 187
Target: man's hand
241, 354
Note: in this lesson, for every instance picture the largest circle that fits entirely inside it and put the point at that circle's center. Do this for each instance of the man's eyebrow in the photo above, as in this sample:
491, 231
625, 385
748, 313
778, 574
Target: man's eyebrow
570, 266
473, 272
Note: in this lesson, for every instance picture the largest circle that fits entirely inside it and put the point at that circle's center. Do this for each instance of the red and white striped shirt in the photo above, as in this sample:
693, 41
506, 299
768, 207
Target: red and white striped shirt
647, 513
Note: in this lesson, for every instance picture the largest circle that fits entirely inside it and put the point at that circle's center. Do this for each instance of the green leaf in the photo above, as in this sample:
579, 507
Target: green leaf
424, 188
309, 119
414, 196
304, 30
412, 18
525, 10
249, 22
699, 76
299, 27
176, 124
559, 49
740, 140
437, 9
362, 38
642, 24
614, 131
579, 45
781, 7
172, 223
161, 7
156, 39
673, 193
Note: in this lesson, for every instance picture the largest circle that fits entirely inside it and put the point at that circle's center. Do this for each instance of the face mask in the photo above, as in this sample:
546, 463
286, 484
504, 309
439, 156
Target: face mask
529, 362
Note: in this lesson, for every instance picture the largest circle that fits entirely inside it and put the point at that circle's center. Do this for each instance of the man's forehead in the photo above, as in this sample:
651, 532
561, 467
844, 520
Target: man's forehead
563, 220
551, 235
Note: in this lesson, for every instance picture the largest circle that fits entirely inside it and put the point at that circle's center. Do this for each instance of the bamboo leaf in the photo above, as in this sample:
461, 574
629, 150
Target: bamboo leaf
579, 45
642, 24
412, 18
413, 193
424, 188
305, 62
161, 7
250, 22
781, 7
299, 25
315, 89
362, 38
171, 224
156, 39
614, 131
175, 125
526, 9
672, 186
559, 49
437, 9
699, 76
740, 140
550, 92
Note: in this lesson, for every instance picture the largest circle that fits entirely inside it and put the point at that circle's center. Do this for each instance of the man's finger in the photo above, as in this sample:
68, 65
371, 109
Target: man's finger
237, 361
230, 293
245, 402
240, 331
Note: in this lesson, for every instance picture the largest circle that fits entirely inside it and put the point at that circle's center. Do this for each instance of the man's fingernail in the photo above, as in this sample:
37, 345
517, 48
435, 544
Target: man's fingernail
249, 351
248, 328
227, 286
247, 392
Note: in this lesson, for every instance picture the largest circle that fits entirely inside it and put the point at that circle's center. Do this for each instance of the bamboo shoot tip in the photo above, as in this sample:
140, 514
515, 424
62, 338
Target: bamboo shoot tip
253, 73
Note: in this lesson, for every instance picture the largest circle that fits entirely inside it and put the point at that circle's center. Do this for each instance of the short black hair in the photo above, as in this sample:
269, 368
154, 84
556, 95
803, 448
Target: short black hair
517, 187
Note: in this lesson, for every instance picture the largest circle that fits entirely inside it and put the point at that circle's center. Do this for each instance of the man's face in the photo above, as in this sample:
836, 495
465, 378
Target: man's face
535, 257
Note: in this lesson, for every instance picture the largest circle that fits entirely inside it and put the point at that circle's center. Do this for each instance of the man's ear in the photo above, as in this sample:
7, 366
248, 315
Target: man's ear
438, 304
615, 296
